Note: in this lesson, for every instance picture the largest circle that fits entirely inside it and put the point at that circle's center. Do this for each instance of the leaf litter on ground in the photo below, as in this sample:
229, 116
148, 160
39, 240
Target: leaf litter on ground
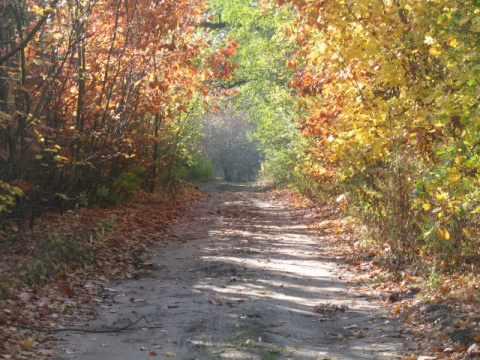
451, 332
117, 241
44, 291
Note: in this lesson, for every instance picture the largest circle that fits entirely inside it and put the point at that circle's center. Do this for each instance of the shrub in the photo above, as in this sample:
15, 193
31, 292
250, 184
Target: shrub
383, 197
54, 256
200, 170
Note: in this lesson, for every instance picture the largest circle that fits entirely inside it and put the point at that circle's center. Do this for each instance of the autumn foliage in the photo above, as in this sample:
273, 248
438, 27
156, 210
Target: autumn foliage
391, 89
97, 98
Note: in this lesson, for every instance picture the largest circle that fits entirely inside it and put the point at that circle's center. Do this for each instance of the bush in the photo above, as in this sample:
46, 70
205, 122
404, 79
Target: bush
200, 170
122, 189
382, 194
54, 256
415, 210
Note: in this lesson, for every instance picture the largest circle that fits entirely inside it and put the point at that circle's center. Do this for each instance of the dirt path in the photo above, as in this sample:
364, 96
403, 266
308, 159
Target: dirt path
240, 278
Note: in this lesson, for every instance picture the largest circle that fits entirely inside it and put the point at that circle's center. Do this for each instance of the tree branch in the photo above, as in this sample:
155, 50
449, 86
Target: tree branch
30, 35
213, 26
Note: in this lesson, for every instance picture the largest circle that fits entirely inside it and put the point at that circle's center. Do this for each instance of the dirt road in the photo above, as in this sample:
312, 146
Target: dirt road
241, 277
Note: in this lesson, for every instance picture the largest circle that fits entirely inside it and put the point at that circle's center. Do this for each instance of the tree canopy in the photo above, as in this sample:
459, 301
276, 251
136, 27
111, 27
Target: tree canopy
373, 101
391, 89
98, 98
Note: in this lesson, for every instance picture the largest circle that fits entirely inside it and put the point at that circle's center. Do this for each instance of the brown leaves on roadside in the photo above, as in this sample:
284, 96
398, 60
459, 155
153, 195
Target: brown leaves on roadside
66, 294
405, 293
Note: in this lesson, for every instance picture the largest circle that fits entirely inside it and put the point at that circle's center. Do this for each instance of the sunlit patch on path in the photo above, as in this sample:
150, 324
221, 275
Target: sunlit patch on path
241, 278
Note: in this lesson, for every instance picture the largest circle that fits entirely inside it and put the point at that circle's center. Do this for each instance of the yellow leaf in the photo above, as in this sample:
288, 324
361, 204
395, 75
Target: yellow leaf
453, 42
426, 206
440, 233
17, 190
170, 354
38, 10
447, 234
434, 51
441, 195
397, 309
466, 233
444, 234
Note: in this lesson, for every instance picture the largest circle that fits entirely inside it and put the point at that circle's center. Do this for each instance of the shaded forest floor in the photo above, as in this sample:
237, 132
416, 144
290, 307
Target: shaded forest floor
242, 271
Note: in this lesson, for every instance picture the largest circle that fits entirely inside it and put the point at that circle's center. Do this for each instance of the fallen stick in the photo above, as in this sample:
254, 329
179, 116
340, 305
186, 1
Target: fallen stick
107, 330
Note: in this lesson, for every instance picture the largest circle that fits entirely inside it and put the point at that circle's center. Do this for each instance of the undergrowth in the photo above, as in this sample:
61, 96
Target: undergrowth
59, 254
54, 256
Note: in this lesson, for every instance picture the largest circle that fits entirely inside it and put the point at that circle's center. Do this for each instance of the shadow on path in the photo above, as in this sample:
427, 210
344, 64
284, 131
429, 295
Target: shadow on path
241, 277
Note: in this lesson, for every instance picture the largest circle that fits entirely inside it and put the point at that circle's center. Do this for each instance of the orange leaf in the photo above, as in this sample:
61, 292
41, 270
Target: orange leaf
445, 289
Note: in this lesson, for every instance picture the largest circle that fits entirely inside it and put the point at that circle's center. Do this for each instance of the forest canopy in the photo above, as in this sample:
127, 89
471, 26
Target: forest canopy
372, 102
98, 98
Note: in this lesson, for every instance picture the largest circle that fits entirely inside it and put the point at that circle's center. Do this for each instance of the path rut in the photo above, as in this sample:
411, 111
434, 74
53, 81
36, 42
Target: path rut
241, 277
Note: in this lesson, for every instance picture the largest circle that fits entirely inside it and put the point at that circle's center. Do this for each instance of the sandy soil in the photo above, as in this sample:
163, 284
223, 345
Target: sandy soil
241, 277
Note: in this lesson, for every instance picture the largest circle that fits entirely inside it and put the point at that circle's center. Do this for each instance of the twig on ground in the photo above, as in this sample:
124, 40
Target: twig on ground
107, 330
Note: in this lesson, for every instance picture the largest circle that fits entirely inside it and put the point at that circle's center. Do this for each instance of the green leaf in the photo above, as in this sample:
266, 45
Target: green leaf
63, 196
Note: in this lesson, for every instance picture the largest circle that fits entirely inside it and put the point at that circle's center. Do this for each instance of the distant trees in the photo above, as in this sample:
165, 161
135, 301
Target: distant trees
228, 144
262, 82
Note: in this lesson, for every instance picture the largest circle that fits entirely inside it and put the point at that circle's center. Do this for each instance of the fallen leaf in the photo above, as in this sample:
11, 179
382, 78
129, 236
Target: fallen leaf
474, 349
360, 335
48, 352
153, 353
24, 296
215, 302
28, 343
170, 354
137, 300
66, 289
